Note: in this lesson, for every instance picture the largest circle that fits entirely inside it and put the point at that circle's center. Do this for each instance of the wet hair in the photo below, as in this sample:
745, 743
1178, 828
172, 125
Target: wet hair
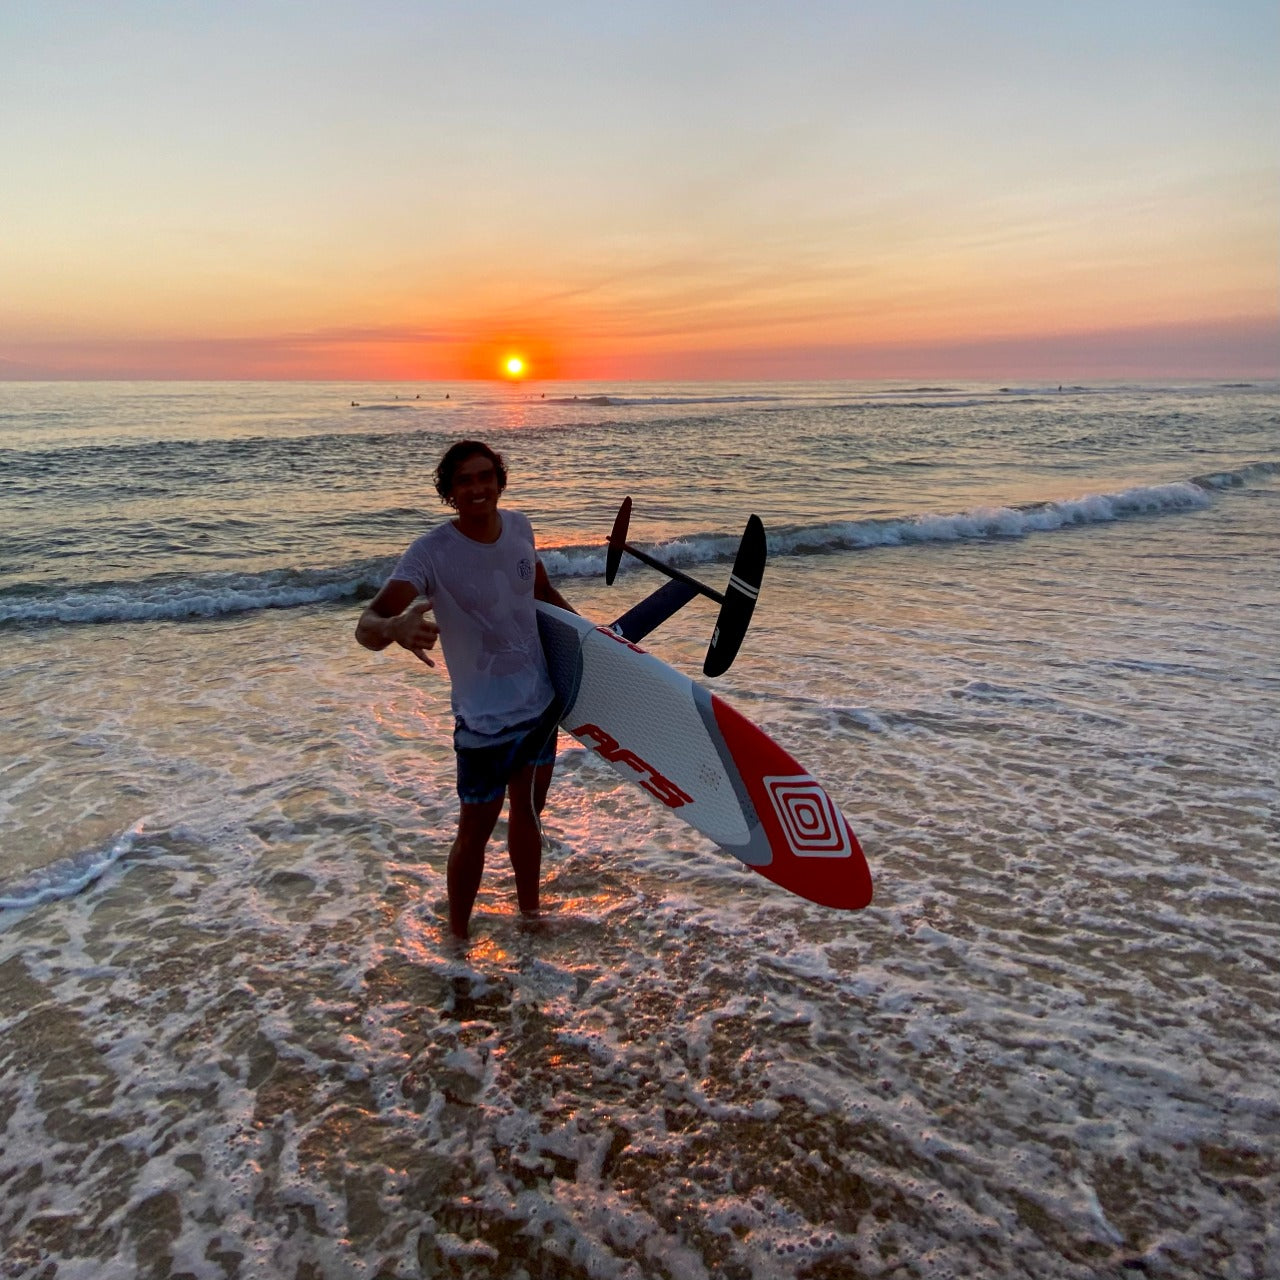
455, 455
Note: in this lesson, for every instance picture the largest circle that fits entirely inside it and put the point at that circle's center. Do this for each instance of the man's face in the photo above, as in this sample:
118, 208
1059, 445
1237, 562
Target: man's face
474, 491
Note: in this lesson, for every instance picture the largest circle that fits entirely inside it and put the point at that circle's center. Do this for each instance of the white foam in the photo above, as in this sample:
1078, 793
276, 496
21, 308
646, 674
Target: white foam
67, 876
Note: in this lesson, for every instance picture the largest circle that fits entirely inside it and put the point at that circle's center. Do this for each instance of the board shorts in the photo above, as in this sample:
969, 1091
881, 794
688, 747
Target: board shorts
488, 761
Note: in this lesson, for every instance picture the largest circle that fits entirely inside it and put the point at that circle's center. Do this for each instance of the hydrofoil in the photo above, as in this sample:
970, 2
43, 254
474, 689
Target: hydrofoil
689, 749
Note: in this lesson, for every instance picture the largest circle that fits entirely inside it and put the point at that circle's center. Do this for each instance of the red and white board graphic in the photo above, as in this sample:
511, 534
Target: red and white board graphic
703, 760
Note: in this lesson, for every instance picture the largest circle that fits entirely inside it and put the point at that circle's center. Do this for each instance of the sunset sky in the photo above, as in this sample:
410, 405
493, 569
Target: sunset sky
416, 189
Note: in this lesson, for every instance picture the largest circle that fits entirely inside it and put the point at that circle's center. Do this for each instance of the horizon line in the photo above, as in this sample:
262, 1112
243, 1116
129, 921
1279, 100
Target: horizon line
1242, 346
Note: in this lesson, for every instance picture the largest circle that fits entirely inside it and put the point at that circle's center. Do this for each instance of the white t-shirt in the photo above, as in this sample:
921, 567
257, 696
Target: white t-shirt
482, 598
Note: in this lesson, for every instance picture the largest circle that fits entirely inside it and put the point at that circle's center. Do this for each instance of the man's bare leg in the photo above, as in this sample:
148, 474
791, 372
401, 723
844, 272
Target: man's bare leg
541, 785
524, 836
466, 861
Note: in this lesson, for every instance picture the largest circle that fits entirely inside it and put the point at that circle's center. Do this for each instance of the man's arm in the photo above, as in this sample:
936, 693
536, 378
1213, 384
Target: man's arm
392, 618
543, 590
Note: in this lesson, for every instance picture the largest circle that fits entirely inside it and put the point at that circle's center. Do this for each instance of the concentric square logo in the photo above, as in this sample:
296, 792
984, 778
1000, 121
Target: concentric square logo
810, 821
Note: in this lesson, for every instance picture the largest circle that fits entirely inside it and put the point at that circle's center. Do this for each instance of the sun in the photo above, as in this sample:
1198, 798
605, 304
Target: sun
515, 355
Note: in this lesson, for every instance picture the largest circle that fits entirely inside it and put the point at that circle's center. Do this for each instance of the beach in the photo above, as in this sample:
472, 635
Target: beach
1025, 637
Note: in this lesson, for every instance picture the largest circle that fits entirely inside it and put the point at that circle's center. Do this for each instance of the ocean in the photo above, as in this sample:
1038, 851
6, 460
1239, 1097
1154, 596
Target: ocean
1028, 638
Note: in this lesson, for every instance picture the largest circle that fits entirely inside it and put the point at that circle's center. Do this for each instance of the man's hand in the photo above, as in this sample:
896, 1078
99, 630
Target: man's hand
412, 630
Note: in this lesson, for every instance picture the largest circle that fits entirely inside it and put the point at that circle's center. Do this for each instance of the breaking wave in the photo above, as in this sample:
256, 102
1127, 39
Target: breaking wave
207, 595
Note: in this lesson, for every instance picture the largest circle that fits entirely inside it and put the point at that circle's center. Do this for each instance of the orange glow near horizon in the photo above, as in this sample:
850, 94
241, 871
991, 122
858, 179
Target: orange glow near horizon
507, 357
1243, 346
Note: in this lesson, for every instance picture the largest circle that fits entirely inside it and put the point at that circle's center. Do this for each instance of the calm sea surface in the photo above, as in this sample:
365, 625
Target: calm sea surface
1028, 638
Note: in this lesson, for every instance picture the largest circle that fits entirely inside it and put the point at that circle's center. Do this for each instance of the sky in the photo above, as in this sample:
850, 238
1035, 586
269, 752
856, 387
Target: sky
691, 189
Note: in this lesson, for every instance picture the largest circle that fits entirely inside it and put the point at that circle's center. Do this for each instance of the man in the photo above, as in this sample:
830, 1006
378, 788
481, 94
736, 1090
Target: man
480, 575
